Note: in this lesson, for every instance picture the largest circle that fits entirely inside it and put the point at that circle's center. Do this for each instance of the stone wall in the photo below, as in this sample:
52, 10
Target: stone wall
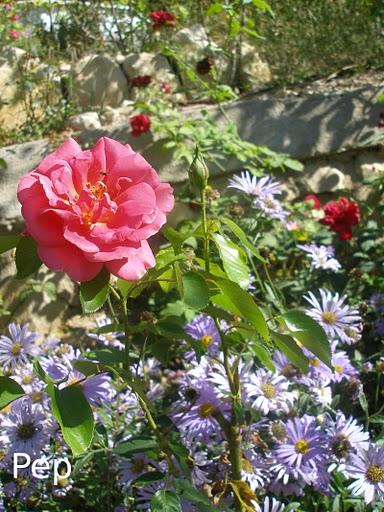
329, 134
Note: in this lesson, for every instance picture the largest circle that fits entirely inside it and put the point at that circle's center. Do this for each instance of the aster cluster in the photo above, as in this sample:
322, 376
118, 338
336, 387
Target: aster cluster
321, 256
262, 192
27, 425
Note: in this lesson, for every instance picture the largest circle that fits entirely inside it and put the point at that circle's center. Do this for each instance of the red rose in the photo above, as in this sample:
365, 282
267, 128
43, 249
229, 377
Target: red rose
141, 81
340, 216
162, 18
140, 124
315, 200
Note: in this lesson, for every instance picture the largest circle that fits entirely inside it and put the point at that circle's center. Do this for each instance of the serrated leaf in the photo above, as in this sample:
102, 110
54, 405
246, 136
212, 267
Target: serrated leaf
74, 415
9, 391
233, 259
240, 302
289, 347
240, 234
26, 258
8, 242
165, 501
94, 293
138, 444
196, 291
309, 333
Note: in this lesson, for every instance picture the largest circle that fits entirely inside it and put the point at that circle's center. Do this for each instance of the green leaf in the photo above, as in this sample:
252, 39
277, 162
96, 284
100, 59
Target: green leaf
241, 303
148, 478
196, 292
74, 415
106, 355
262, 4
239, 233
309, 333
8, 242
165, 501
9, 391
233, 259
294, 165
27, 259
264, 356
190, 493
94, 293
136, 445
290, 348
3, 164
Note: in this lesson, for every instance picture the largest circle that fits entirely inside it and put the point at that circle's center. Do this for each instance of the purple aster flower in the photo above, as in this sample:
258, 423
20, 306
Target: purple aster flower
145, 494
379, 326
367, 468
131, 469
198, 421
377, 302
270, 505
321, 391
203, 328
107, 339
24, 429
270, 206
346, 437
28, 379
285, 367
336, 318
97, 389
19, 347
342, 367
22, 488
284, 484
254, 186
322, 256
254, 469
268, 392
303, 452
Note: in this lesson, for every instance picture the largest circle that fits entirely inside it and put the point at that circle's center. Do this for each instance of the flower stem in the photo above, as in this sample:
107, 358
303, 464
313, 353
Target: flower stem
142, 399
205, 227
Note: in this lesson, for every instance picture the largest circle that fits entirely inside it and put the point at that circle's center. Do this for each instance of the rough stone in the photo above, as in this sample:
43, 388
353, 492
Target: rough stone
256, 72
326, 179
84, 121
99, 81
144, 63
12, 112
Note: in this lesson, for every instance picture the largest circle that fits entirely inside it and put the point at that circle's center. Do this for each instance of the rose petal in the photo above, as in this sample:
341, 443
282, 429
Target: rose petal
135, 266
69, 259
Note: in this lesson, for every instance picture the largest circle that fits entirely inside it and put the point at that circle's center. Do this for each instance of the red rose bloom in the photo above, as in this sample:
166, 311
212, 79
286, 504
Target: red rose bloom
162, 18
315, 201
340, 216
141, 81
140, 124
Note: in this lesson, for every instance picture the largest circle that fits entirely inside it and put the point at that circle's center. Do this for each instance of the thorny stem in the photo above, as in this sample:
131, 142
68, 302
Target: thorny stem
205, 228
232, 429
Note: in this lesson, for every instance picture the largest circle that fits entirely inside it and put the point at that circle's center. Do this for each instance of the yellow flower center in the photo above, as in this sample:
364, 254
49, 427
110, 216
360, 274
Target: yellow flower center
302, 446
98, 189
329, 317
375, 474
206, 410
315, 362
26, 431
206, 340
138, 465
278, 431
352, 333
62, 482
268, 390
27, 379
338, 368
16, 349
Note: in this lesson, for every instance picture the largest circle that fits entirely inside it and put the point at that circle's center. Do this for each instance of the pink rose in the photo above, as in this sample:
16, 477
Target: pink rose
86, 209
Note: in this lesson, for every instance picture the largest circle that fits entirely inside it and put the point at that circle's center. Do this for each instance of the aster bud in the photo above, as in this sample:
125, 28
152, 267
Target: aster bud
198, 171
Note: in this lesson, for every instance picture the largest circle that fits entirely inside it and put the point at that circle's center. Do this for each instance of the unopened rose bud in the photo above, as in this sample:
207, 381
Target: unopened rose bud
198, 171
